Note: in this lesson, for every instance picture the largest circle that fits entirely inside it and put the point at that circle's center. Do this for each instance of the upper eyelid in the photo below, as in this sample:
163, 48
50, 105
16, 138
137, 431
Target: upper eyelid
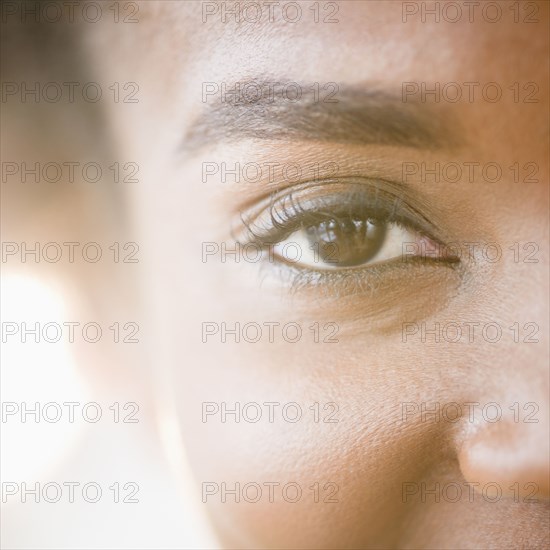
382, 192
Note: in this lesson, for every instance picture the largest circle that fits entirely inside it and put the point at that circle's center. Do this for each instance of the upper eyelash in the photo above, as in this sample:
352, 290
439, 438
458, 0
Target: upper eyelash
379, 204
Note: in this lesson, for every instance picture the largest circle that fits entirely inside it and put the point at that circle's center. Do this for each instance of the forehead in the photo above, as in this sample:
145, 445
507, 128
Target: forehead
354, 40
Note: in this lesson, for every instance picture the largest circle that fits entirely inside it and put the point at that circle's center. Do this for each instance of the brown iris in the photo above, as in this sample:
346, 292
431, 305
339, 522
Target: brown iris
347, 242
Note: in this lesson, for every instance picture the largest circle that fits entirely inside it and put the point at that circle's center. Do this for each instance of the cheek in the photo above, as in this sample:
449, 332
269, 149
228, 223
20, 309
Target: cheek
304, 435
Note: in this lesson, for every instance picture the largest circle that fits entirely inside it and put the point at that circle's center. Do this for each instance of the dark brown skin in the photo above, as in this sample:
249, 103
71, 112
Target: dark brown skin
370, 454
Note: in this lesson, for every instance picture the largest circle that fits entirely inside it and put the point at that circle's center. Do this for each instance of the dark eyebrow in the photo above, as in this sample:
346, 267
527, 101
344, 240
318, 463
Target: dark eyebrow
356, 115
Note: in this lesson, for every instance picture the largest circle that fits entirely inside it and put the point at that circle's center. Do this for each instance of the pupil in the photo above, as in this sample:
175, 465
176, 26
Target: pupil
347, 242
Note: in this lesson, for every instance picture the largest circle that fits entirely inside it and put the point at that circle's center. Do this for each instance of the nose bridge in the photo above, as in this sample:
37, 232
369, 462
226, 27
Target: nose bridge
519, 287
514, 317
521, 357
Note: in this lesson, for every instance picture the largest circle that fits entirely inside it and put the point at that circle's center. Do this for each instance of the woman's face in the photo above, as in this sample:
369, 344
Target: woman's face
397, 373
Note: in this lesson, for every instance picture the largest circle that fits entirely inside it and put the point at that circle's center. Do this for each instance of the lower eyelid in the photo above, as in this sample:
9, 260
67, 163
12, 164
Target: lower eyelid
355, 280
375, 299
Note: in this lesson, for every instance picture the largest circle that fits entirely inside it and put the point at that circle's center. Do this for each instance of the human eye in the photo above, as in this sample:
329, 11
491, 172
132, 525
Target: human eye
352, 229
336, 241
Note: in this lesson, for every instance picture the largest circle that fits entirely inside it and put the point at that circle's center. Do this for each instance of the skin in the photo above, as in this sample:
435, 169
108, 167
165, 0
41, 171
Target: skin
370, 373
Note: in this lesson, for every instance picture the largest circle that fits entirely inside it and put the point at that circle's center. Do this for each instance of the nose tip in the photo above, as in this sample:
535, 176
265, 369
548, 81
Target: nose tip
515, 456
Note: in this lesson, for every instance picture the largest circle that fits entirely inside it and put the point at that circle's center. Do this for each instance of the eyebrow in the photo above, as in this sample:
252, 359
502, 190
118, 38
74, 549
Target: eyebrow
357, 115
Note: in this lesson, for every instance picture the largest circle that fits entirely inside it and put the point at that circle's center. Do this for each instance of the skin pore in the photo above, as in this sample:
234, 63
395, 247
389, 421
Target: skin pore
370, 372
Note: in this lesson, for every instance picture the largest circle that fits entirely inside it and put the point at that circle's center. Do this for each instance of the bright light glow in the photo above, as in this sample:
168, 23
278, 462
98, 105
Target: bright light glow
35, 372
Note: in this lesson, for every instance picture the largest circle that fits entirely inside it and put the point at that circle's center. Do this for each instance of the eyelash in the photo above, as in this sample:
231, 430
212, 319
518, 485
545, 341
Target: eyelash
287, 212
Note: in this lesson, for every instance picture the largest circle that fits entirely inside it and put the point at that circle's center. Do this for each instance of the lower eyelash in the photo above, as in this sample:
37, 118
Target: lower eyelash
363, 281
